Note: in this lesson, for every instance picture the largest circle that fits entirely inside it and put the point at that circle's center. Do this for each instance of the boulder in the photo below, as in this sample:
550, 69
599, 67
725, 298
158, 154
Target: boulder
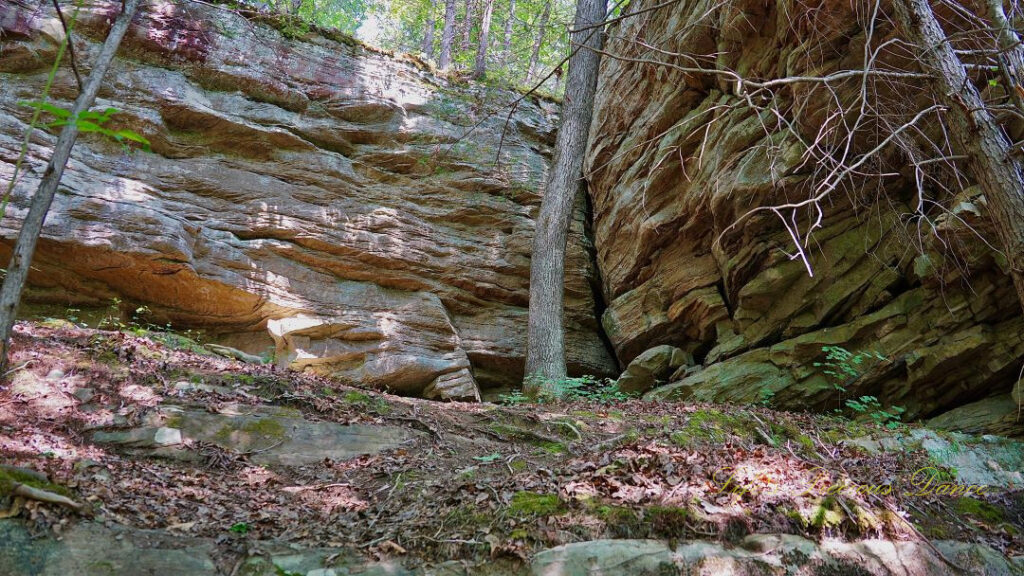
654, 365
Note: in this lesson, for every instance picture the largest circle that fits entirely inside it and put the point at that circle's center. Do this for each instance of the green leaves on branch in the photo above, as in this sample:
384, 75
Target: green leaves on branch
89, 121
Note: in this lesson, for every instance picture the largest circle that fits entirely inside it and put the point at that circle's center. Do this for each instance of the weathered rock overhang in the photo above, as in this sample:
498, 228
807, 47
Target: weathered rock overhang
677, 158
304, 194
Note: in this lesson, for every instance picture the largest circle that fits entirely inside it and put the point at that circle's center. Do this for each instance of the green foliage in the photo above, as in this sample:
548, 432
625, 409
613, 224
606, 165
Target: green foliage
843, 367
401, 26
869, 405
88, 121
583, 388
489, 458
239, 528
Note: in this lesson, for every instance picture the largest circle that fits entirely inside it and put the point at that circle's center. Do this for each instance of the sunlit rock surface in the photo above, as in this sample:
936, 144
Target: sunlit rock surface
676, 159
307, 196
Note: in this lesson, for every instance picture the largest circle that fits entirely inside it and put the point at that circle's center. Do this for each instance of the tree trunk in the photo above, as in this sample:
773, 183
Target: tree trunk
485, 30
467, 28
538, 42
28, 236
545, 351
507, 45
428, 34
975, 131
1011, 64
447, 35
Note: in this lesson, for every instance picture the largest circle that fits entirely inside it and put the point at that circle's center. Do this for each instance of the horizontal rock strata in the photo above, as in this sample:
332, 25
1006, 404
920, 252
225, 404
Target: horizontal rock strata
304, 195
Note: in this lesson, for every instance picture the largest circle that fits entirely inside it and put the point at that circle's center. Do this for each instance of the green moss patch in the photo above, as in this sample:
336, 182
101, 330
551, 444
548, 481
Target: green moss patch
12, 477
534, 504
979, 509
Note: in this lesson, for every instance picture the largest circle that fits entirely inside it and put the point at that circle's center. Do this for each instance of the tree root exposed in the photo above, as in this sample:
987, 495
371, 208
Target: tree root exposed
26, 491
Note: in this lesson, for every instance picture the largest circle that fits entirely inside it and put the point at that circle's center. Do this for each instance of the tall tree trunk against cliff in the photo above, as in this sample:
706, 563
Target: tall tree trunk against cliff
507, 44
538, 42
28, 236
467, 28
545, 350
991, 161
485, 31
428, 33
447, 35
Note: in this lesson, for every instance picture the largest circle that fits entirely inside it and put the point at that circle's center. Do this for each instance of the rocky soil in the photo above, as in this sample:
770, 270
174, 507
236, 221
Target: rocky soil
190, 462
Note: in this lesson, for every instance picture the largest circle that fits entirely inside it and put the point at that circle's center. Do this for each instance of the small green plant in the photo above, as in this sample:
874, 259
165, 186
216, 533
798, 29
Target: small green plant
89, 121
843, 367
513, 398
239, 528
870, 406
585, 388
71, 315
113, 318
765, 396
489, 458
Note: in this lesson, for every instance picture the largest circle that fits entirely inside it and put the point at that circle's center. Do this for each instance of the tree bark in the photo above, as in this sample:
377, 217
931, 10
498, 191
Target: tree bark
542, 28
447, 35
991, 162
1011, 63
485, 31
467, 28
507, 45
28, 236
545, 352
428, 33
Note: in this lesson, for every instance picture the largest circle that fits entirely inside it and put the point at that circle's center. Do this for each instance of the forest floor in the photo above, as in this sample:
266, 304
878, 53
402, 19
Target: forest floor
98, 412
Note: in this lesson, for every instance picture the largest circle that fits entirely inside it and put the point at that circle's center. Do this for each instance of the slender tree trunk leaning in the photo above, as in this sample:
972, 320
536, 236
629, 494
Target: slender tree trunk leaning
545, 350
28, 236
447, 35
485, 31
991, 161
428, 33
542, 27
507, 45
467, 28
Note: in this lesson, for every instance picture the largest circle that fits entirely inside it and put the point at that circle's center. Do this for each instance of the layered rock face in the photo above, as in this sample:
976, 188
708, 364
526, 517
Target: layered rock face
677, 158
303, 193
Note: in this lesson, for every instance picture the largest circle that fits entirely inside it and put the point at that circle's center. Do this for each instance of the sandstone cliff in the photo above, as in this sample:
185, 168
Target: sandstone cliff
303, 193
676, 158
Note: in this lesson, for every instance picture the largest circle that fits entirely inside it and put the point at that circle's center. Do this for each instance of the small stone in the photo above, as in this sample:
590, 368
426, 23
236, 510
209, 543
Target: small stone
85, 464
84, 394
55, 375
167, 436
322, 572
